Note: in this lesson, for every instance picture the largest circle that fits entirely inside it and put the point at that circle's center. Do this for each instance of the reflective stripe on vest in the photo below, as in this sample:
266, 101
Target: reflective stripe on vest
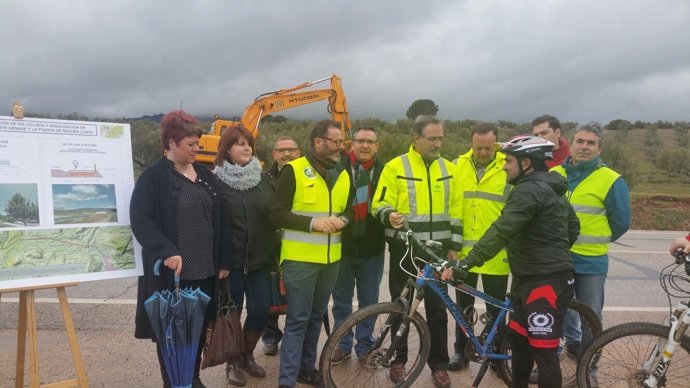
489, 196
588, 201
437, 226
483, 202
313, 199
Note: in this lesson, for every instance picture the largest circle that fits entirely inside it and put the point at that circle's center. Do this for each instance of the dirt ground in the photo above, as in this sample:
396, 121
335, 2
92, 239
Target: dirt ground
660, 212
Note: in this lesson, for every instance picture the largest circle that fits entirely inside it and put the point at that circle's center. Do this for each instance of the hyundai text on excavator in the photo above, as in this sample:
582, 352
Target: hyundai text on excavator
268, 103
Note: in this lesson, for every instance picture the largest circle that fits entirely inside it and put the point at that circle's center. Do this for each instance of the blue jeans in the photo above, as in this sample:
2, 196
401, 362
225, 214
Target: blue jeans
256, 285
365, 273
590, 290
309, 287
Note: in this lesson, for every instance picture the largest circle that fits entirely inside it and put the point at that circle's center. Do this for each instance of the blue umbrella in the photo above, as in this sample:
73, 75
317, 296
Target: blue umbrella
177, 318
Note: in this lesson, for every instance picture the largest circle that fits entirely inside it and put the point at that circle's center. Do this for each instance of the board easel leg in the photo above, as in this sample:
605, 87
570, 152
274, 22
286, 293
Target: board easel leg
21, 341
32, 332
72, 335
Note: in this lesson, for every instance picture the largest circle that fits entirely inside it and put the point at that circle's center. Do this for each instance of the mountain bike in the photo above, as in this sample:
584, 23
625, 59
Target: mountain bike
401, 335
644, 354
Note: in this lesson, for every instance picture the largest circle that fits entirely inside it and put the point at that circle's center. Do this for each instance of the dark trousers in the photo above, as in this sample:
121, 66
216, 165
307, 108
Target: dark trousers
493, 285
272, 333
537, 323
256, 285
436, 316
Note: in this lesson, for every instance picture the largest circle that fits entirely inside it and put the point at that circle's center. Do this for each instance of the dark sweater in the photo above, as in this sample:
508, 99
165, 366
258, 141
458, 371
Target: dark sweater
373, 242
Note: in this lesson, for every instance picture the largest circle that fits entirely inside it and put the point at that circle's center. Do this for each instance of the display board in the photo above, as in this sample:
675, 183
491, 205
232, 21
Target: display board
64, 202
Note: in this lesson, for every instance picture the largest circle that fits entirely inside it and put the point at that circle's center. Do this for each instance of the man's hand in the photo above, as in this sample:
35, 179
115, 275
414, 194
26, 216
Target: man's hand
396, 219
337, 222
452, 255
680, 243
465, 265
174, 263
447, 274
223, 273
323, 224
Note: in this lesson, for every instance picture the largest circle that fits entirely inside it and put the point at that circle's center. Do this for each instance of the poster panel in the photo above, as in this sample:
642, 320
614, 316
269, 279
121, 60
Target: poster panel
64, 202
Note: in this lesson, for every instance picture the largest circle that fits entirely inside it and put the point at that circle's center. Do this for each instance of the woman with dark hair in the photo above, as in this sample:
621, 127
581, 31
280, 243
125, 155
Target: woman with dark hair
175, 215
247, 194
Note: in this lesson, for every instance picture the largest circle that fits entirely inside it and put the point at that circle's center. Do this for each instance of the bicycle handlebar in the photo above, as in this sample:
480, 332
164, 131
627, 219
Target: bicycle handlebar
682, 258
438, 263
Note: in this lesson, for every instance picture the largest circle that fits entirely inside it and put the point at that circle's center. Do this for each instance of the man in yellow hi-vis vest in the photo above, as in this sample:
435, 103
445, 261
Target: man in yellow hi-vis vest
601, 201
484, 183
311, 206
419, 187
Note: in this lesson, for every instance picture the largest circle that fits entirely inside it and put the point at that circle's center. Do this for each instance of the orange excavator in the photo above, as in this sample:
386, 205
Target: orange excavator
268, 103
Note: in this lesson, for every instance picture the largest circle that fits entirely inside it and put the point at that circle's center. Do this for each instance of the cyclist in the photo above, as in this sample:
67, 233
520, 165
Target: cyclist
538, 226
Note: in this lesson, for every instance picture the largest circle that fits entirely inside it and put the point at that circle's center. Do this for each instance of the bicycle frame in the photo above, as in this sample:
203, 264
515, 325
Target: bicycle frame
678, 329
424, 280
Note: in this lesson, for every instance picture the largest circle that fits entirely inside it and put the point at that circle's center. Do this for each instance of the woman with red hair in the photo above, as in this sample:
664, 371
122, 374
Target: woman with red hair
175, 215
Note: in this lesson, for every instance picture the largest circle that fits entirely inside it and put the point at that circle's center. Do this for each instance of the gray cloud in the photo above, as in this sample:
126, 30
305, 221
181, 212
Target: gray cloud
488, 60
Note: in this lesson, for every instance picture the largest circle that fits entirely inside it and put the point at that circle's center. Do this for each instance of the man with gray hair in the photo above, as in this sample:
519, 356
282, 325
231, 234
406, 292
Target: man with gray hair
601, 201
284, 151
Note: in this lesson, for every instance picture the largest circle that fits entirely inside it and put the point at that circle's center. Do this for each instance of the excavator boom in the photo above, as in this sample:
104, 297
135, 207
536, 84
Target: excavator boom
269, 103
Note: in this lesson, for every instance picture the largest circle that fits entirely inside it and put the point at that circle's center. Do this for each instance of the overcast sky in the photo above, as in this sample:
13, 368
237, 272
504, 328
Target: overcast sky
486, 60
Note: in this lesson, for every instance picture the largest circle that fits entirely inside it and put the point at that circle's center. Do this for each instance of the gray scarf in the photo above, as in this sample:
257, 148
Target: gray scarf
241, 178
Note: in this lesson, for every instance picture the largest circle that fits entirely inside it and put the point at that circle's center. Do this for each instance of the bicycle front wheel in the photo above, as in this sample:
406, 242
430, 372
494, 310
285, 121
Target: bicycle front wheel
568, 360
626, 355
371, 369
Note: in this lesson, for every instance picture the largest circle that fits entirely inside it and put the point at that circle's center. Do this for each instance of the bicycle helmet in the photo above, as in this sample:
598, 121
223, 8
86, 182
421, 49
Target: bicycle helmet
528, 146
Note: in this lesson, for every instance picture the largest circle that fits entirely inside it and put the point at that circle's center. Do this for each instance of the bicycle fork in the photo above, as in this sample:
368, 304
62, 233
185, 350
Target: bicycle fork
400, 332
675, 335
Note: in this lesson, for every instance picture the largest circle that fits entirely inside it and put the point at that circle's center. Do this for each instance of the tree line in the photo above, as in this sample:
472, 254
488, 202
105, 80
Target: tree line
395, 138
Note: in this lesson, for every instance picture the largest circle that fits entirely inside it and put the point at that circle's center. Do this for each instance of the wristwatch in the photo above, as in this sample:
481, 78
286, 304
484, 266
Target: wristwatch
344, 219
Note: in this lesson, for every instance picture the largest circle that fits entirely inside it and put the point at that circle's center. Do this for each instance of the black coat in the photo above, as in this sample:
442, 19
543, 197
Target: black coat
538, 225
153, 216
245, 213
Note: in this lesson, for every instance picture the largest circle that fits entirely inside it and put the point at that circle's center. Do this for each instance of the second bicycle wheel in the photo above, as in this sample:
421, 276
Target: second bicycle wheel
568, 360
625, 355
371, 369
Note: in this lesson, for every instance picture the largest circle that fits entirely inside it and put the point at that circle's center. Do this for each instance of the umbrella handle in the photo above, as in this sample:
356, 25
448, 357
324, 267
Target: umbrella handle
157, 272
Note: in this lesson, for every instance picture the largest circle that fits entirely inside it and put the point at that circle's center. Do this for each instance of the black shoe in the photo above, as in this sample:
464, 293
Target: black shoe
284, 386
312, 377
270, 349
457, 362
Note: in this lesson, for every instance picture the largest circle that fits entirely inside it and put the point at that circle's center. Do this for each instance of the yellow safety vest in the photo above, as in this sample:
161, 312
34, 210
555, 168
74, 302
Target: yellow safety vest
429, 198
482, 204
588, 201
313, 199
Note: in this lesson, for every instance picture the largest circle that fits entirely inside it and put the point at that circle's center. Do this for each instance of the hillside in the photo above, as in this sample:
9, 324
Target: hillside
654, 162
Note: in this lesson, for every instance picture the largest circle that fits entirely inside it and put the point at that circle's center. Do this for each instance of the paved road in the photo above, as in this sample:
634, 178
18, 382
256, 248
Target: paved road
104, 312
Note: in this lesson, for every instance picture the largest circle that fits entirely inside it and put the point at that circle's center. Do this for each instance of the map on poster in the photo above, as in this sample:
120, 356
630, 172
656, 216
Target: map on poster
64, 202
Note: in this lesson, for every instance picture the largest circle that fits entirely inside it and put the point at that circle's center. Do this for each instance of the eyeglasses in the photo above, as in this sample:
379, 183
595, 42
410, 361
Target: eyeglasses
284, 150
434, 139
336, 142
365, 141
